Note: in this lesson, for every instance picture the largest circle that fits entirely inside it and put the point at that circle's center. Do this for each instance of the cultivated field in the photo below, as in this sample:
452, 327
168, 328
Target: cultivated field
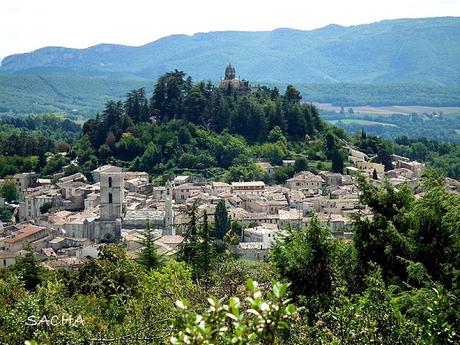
405, 110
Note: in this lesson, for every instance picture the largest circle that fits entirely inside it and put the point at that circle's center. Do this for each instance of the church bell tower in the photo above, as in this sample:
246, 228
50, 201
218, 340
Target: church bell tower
169, 212
108, 226
112, 194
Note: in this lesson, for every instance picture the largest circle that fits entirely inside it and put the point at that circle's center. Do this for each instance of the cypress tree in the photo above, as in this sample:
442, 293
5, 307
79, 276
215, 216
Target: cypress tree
337, 162
221, 220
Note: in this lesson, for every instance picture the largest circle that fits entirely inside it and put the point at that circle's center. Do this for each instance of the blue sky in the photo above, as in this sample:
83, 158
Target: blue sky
26, 25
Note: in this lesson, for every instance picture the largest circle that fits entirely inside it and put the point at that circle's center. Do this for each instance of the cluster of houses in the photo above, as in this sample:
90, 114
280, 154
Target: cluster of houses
67, 219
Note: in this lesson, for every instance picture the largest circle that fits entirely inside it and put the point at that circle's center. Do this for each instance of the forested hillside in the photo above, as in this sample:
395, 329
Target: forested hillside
197, 128
76, 97
393, 51
82, 96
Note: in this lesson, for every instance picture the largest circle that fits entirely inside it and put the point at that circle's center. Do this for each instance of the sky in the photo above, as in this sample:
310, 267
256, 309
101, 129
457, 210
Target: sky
26, 25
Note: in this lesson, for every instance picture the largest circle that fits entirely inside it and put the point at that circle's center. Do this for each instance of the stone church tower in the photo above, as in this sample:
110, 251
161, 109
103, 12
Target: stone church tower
112, 195
169, 212
230, 72
230, 81
108, 226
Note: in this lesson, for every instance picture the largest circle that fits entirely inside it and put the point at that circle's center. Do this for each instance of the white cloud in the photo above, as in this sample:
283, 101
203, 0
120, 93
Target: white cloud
26, 25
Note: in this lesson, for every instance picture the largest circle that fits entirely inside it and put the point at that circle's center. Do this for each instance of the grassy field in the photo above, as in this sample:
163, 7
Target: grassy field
431, 124
390, 110
361, 122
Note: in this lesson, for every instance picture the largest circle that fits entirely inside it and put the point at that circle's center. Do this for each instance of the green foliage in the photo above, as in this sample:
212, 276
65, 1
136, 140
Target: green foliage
32, 142
222, 222
178, 105
258, 321
112, 273
282, 174
337, 162
76, 96
29, 269
54, 163
370, 318
8, 189
306, 258
5, 214
149, 257
434, 231
46, 207
384, 238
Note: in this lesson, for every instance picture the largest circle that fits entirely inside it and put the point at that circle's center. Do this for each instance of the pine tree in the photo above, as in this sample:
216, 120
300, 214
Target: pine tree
220, 113
136, 105
292, 95
274, 115
149, 256
189, 246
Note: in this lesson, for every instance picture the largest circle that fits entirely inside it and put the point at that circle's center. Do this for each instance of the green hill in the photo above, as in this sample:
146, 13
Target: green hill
73, 95
393, 62
392, 51
82, 97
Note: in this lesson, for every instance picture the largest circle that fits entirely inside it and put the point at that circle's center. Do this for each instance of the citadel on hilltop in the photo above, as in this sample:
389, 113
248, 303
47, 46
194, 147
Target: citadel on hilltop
230, 81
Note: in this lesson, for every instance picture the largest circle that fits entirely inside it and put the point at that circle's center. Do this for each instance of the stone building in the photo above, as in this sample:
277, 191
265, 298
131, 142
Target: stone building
305, 180
169, 211
108, 226
25, 181
230, 81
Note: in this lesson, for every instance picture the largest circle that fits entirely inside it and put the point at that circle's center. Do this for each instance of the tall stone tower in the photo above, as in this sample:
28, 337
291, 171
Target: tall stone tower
230, 81
108, 226
169, 212
230, 72
112, 195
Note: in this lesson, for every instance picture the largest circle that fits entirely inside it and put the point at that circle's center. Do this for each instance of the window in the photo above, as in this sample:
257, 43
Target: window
110, 182
110, 198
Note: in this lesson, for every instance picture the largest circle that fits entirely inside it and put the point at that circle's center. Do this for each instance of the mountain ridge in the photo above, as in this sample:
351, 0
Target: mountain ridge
421, 50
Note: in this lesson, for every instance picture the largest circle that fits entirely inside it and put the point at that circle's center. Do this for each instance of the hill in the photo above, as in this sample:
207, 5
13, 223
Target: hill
75, 96
82, 97
392, 51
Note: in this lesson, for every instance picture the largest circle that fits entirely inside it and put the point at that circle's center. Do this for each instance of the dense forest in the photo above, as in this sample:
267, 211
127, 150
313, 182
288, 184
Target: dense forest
200, 129
80, 97
33, 143
217, 132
